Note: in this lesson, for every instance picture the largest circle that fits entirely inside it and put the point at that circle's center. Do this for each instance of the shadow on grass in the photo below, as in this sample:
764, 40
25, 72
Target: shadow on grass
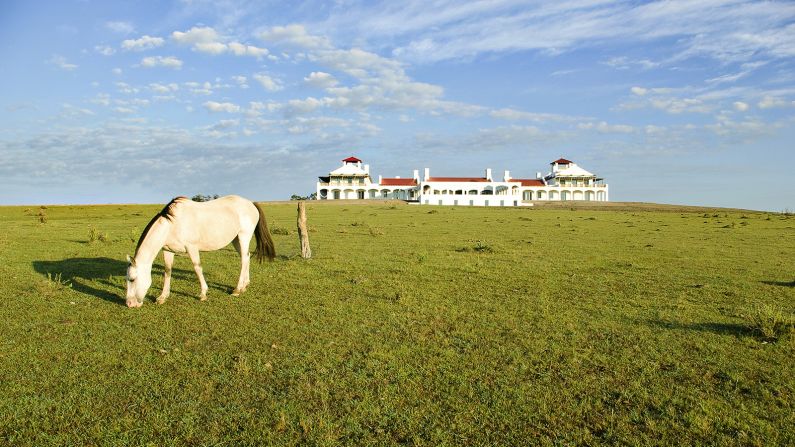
82, 272
736, 329
780, 283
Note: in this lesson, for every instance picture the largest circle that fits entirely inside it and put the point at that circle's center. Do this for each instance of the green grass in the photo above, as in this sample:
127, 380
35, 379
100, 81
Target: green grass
410, 325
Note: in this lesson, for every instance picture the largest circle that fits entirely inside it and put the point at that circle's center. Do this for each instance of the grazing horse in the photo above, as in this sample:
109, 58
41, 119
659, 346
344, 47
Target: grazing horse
187, 226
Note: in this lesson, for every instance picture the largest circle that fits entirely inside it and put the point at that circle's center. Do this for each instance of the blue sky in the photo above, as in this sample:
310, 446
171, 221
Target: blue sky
136, 102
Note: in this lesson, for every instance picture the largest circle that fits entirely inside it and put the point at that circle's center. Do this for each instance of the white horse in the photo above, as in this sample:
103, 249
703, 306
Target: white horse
187, 226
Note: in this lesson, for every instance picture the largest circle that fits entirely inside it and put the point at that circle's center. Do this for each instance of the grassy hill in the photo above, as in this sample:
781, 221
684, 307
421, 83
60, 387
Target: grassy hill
410, 325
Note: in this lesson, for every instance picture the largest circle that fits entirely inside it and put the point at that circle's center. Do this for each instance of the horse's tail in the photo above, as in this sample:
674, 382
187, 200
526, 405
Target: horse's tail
265, 245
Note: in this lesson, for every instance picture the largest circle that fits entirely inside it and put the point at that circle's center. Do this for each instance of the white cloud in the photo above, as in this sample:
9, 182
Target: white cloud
161, 61
227, 107
214, 48
294, 35
430, 31
625, 63
117, 71
126, 88
120, 27
769, 102
740, 106
142, 43
207, 40
518, 115
104, 50
320, 79
270, 84
241, 81
196, 35
163, 88
239, 49
61, 62
604, 127
640, 91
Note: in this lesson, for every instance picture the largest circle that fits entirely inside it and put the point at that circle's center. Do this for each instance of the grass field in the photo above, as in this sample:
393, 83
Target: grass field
410, 325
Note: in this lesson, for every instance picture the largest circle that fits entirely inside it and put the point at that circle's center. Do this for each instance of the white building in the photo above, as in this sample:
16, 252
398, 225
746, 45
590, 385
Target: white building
565, 181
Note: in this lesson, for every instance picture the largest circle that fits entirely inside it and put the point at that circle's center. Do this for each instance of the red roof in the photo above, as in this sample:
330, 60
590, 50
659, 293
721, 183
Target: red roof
528, 181
457, 179
398, 182
352, 160
562, 161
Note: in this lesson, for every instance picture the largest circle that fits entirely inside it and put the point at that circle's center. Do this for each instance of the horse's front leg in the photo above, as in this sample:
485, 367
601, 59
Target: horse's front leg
168, 262
193, 252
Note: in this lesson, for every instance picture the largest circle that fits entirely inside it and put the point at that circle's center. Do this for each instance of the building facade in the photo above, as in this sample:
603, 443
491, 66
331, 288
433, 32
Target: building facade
565, 181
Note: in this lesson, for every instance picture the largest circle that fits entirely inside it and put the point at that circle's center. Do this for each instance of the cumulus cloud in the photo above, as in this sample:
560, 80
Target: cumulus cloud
294, 35
207, 40
740, 106
320, 79
163, 88
239, 49
195, 35
241, 81
769, 102
104, 50
227, 107
142, 43
161, 61
270, 84
640, 91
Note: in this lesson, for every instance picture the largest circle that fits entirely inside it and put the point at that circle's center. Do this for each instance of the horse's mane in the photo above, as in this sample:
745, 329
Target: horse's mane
167, 212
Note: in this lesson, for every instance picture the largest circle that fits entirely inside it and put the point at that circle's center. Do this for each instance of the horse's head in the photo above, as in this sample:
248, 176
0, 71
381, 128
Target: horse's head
138, 282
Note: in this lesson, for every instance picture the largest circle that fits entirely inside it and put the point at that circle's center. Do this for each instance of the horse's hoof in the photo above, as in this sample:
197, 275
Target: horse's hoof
161, 300
236, 292
203, 298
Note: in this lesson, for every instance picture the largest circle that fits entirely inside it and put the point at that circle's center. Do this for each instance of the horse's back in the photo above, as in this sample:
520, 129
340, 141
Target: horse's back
214, 224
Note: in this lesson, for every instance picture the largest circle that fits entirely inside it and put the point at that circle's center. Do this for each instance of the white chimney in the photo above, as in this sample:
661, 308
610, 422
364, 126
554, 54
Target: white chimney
367, 169
538, 175
488, 174
417, 174
507, 177
397, 176
358, 164
427, 174
379, 179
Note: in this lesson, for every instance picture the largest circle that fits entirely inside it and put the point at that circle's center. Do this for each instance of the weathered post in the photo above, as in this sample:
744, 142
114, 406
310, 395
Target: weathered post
303, 232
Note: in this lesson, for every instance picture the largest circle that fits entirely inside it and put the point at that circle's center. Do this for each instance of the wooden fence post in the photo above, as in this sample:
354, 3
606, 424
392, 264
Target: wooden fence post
303, 232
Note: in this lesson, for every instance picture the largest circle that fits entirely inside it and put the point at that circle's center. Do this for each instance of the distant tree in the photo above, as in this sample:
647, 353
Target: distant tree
203, 198
312, 196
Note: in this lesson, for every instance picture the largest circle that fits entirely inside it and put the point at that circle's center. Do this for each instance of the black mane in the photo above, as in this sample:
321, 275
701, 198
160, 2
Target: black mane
167, 212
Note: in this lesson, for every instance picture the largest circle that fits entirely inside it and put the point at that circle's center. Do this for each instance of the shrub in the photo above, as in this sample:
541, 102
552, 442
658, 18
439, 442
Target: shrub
770, 323
280, 230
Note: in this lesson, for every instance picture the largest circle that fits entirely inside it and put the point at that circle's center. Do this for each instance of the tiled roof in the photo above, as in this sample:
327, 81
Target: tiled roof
528, 181
562, 161
457, 179
398, 182
352, 160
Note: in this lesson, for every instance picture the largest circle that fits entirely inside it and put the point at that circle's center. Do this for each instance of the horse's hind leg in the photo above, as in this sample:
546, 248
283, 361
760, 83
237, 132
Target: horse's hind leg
241, 245
193, 252
168, 262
